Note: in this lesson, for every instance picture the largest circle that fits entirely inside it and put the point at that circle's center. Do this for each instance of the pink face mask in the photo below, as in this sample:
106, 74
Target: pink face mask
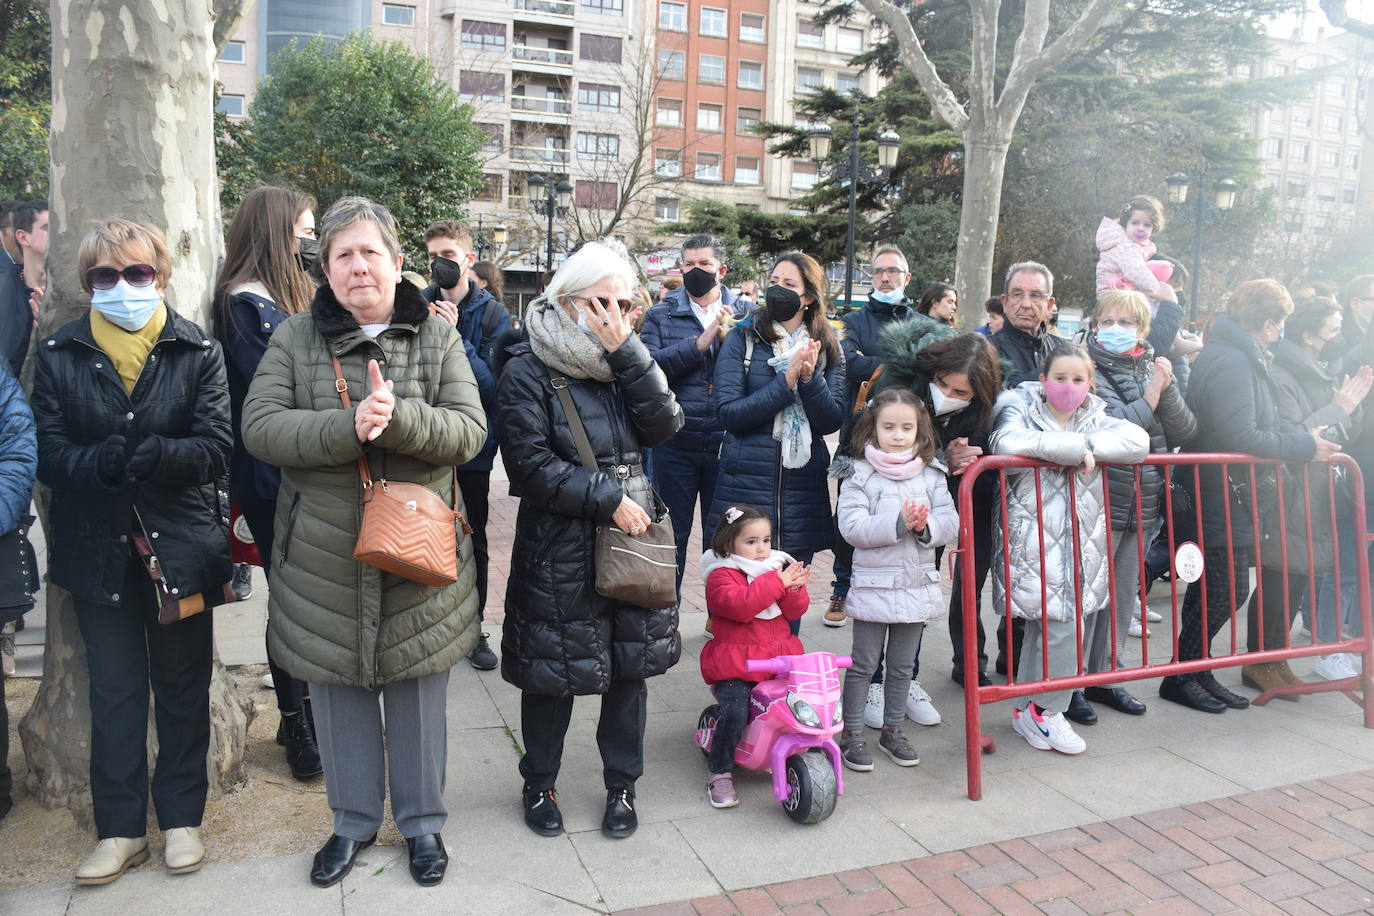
1065, 397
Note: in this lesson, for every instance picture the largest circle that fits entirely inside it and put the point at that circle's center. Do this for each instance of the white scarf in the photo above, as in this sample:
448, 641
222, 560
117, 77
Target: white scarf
790, 426
752, 569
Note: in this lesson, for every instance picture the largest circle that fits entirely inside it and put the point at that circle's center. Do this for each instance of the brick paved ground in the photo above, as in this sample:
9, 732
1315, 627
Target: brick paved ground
1307, 848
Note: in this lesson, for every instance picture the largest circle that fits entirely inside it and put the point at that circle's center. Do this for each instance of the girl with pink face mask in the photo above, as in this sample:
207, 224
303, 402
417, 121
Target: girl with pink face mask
1060, 420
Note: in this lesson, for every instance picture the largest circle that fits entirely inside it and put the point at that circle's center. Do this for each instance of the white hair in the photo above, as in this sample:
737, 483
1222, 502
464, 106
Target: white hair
588, 266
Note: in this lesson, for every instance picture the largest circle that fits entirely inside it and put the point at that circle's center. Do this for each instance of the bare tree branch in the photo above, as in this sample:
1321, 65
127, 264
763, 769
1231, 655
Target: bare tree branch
1336, 14
1025, 73
227, 15
944, 104
983, 63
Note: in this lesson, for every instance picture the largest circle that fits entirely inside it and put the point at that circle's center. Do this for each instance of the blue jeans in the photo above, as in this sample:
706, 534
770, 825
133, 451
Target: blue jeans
1325, 629
681, 476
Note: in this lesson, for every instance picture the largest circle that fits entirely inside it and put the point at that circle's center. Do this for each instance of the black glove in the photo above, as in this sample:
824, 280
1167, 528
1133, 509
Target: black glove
109, 461
145, 459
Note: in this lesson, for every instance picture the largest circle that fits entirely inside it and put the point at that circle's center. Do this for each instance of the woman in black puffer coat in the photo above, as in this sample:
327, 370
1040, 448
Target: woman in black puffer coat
561, 639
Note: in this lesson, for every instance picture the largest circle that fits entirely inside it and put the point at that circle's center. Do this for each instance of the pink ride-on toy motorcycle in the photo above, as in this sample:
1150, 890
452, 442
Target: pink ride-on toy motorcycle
793, 719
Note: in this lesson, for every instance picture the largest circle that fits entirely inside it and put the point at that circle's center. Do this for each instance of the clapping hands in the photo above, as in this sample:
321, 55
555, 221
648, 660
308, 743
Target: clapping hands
795, 575
802, 365
915, 515
373, 412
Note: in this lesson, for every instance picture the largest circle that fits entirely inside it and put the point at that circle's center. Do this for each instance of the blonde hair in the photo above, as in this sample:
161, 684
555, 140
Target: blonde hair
122, 239
1130, 301
1257, 302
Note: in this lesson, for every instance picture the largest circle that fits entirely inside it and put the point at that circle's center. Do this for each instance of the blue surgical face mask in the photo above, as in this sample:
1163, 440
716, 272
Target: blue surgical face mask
128, 307
890, 297
1117, 339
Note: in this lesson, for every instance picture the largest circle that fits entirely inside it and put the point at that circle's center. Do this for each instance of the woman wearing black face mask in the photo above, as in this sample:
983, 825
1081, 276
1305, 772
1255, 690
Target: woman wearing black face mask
780, 390
270, 246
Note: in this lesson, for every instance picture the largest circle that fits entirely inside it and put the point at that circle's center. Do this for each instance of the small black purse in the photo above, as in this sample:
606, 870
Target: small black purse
18, 572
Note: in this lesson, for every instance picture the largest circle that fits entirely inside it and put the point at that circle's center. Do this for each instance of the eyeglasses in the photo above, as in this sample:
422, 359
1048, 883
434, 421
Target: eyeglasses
134, 275
887, 271
1129, 324
1035, 295
623, 304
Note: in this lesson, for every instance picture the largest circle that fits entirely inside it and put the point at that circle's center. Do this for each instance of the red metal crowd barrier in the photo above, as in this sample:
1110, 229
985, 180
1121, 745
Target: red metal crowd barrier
1344, 521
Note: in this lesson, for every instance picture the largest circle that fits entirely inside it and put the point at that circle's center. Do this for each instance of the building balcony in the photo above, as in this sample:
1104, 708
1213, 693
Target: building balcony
540, 111
547, 56
538, 157
546, 12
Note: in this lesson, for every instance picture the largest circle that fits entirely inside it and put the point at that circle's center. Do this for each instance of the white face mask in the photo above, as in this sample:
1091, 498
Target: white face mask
943, 403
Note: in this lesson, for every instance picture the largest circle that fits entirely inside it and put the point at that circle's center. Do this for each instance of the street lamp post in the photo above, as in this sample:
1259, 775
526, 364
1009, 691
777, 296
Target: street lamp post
484, 243
853, 172
1224, 198
557, 198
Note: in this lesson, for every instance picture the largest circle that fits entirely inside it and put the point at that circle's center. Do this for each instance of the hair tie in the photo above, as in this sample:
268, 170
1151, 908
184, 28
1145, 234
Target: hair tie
732, 515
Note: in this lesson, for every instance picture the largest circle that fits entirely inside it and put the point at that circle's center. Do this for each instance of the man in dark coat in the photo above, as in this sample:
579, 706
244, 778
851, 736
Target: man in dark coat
684, 334
1025, 337
16, 320
481, 320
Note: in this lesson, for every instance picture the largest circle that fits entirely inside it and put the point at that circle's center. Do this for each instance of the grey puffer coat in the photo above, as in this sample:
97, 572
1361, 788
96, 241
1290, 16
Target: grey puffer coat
1121, 382
1025, 427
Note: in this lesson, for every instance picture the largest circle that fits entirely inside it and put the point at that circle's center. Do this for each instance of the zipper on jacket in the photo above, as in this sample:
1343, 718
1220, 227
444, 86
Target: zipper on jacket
290, 527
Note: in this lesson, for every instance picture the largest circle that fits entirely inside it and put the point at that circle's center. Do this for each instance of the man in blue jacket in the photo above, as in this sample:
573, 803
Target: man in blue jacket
460, 301
683, 334
18, 461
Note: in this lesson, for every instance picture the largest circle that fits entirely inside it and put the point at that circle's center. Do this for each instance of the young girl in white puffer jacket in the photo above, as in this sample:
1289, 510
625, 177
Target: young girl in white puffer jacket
895, 510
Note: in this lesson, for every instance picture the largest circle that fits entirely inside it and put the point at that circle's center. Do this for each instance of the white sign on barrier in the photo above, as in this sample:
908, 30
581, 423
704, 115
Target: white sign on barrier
1188, 562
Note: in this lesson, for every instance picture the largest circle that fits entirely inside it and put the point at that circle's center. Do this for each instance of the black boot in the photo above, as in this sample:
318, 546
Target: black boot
620, 820
1080, 710
302, 753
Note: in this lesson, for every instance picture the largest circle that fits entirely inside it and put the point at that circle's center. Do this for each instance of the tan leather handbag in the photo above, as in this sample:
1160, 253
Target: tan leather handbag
406, 529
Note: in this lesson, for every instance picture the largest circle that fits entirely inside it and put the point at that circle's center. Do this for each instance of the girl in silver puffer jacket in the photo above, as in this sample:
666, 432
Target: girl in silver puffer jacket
1057, 419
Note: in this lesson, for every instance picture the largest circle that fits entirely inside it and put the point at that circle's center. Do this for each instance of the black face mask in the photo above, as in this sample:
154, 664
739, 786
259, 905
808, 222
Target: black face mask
445, 273
699, 281
1333, 349
309, 255
782, 303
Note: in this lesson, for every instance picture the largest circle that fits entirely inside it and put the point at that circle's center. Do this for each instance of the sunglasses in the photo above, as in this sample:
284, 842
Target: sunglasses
134, 275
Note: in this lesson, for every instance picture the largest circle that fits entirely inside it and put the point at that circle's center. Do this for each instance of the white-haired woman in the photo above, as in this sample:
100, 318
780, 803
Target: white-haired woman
561, 639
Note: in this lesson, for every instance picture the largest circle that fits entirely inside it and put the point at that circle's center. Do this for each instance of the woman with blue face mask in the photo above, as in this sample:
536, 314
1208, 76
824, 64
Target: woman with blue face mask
1137, 387
133, 423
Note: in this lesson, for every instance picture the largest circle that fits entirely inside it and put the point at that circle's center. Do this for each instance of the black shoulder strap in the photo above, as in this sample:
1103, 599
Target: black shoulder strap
579, 432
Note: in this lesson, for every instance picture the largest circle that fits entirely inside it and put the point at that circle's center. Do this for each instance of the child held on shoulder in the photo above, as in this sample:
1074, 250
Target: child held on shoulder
752, 593
1125, 251
1059, 420
895, 510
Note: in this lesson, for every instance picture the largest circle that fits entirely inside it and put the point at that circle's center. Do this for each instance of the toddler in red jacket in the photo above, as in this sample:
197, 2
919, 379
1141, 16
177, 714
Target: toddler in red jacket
752, 593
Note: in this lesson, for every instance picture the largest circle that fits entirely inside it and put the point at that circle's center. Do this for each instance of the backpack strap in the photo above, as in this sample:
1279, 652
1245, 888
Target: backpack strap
748, 352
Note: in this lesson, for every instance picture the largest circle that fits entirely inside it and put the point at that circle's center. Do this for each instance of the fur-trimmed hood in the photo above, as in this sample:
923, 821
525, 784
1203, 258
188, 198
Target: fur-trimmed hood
900, 342
333, 320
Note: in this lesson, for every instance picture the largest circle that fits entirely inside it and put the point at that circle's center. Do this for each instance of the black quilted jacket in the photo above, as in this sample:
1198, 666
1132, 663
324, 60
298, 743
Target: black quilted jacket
560, 637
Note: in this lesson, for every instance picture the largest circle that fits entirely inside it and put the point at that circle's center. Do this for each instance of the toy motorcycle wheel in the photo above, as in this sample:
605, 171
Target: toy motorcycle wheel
706, 724
811, 788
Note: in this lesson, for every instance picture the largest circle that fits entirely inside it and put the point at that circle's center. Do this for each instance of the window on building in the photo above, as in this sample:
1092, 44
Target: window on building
746, 118
231, 105
809, 78
708, 167
597, 194
491, 188
847, 82
1299, 150
605, 7
1275, 150
1293, 224
1243, 71
1348, 196
750, 74
714, 22
1281, 68
711, 69
746, 170
397, 14
810, 35
603, 48
1336, 87
1330, 157
1296, 189
495, 137
1352, 161
234, 53
668, 162
1302, 116
804, 175
672, 65
666, 209
849, 41
751, 28
1333, 120
1326, 190
708, 117
479, 85
672, 16
598, 147
668, 113
484, 36
597, 97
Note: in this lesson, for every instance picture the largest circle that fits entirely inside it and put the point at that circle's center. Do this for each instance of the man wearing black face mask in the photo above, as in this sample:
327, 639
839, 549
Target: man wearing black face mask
460, 301
683, 334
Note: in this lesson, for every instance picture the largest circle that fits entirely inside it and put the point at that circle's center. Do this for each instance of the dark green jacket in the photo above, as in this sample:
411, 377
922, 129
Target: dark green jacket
334, 620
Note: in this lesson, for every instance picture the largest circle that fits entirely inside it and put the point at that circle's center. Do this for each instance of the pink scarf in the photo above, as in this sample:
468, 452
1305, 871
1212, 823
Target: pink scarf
894, 467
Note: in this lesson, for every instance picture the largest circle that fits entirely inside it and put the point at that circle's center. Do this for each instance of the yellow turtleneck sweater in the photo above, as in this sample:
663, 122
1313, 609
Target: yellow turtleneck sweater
127, 350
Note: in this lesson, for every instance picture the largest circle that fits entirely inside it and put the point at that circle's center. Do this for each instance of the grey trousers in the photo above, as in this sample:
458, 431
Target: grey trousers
1062, 637
349, 727
1097, 629
903, 640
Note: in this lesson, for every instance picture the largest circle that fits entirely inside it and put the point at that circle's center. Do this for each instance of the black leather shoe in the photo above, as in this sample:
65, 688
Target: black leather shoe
335, 859
428, 858
1117, 698
1080, 711
541, 812
957, 676
1209, 683
620, 820
6, 805
1187, 692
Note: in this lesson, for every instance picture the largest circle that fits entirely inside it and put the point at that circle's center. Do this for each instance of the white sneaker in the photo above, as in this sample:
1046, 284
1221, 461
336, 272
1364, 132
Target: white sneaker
1048, 731
1137, 628
873, 708
267, 680
919, 709
1153, 616
1336, 667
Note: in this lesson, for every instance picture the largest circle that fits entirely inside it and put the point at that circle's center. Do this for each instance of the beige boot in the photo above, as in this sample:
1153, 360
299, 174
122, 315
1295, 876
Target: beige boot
111, 858
1264, 677
834, 614
184, 852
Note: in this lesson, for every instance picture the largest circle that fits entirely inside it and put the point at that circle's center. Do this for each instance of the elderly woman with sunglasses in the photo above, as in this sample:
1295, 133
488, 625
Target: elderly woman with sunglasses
132, 411
562, 639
